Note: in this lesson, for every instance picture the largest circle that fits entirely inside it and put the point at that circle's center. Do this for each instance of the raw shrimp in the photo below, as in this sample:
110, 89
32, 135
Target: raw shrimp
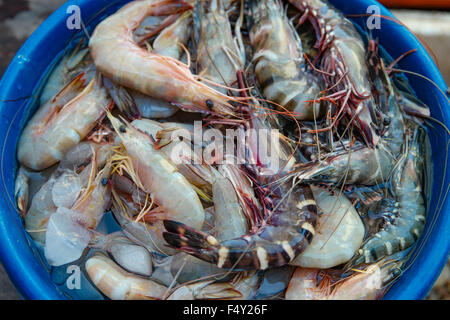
77, 62
270, 155
154, 174
279, 62
41, 208
208, 289
219, 55
118, 284
118, 57
339, 233
168, 43
63, 187
343, 65
369, 284
287, 232
230, 222
27, 183
62, 123
171, 40
137, 214
21, 190
244, 189
146, 234
409, 210
127, 253
188, 161
67, 232
359, 164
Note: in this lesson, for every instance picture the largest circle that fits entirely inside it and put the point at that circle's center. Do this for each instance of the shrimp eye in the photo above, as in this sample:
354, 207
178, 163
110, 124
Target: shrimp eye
104, 181
123, 129
387, 121
209, 104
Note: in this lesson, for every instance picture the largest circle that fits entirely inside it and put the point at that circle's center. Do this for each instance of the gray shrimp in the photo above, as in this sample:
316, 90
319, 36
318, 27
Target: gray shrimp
341, 57
362, 164
409, 208
220, 54
279, 62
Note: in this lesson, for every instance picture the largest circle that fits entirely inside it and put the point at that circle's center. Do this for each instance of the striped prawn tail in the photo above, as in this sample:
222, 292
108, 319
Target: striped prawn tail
192, 241
272, 246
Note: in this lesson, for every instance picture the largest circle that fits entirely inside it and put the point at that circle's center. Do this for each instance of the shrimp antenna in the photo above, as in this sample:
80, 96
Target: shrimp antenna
422, 42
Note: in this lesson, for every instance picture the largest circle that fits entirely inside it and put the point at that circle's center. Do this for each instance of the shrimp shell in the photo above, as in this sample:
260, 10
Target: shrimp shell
287, 233
118, 284
279, 63
117, 56
159, 177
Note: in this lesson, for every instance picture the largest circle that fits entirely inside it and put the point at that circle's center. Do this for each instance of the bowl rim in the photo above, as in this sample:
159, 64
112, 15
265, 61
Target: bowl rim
32, 283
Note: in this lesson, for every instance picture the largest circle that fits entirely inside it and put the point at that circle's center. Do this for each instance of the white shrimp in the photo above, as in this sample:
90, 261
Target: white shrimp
340, 233
62, 123
117, 56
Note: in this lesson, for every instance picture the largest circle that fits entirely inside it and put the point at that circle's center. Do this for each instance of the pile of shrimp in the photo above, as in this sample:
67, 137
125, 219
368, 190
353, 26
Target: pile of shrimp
337, 216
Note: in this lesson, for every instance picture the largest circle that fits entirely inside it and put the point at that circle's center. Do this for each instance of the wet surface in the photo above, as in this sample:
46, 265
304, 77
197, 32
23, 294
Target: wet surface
18, 20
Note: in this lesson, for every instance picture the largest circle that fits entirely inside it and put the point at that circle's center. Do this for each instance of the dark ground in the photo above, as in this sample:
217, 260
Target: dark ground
19, 18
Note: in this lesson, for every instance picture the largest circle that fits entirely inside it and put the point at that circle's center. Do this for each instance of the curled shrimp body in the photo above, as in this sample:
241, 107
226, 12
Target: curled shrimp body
287, 232
279, 61
409, 209
116, 55
342, 60
340, 232
62, 123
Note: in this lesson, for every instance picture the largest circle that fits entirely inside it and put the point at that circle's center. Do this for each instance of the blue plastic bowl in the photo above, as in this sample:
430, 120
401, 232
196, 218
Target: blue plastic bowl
22, 79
